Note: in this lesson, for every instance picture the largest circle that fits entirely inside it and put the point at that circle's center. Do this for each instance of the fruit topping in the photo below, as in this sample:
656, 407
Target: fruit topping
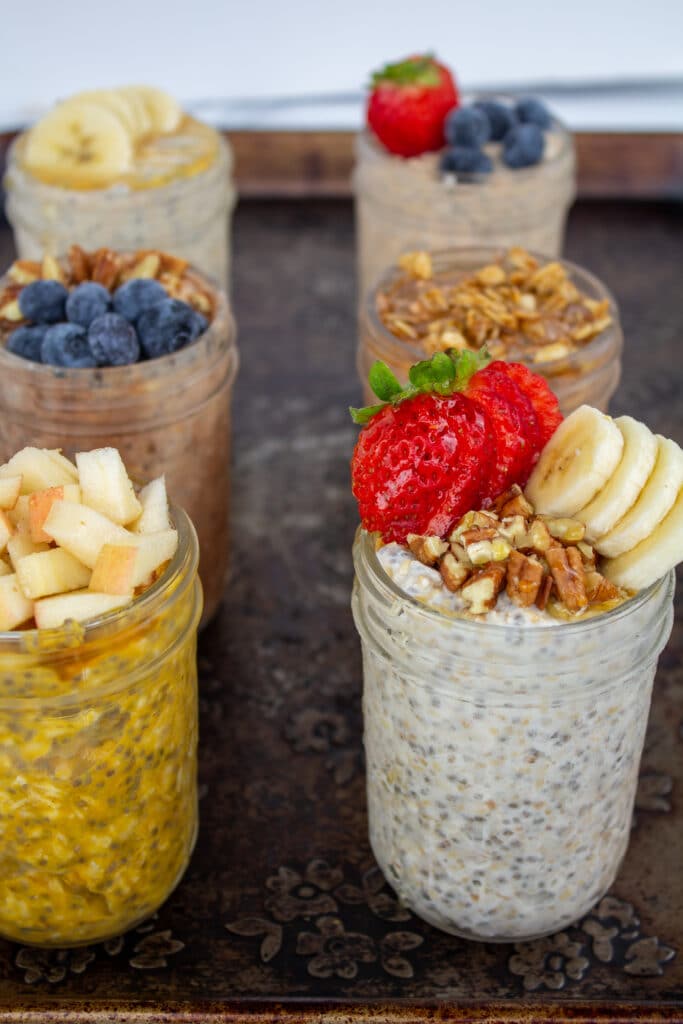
510, 549
624, 485
501, 117
532, 111
465, 160
523, 146
518, 306
408, 103
178, 303
442, 445
467, 126
75, 541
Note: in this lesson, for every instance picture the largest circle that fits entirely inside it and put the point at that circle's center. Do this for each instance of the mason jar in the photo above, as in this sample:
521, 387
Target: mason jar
589, 375
98, 763
168, 415
189, 216
403, 204
502, 761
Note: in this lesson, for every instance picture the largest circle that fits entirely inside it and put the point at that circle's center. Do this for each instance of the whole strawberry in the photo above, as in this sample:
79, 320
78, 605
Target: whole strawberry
458, 435
408, 103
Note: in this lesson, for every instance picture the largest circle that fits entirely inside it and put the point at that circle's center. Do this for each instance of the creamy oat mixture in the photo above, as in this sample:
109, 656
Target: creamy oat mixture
502, 759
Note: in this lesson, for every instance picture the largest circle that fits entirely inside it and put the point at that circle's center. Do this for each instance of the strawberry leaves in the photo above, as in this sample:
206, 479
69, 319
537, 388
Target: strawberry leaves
443, 374
413, 71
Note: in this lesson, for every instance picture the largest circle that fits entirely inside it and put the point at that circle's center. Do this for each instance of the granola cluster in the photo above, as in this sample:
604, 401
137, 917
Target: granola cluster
535, 559
518, 308
108, 268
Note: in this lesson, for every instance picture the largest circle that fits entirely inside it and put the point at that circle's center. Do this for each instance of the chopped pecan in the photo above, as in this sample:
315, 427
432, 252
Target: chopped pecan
544, 593
427, 549
517, 506
51, 270
172, 264
537, 538
106, 267
482, 589
566, 566
513, 528
24, 271
79, 265
599, 589
505, 497
524, 579
477, 533
453, 572
145, 264
588, 554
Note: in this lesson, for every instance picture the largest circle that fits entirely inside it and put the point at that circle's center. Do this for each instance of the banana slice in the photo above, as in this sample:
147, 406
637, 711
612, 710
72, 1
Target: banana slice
653, 503
576, 463
163, 111
139, 110
114, 100
79, 144
654, 556
622, 489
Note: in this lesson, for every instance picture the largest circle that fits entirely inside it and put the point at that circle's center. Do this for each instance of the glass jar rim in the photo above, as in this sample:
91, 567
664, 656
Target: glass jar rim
55, 643
478, 256
385, 585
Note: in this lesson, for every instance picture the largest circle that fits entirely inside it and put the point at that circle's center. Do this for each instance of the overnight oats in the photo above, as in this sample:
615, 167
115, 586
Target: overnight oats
508, 659
124, 168
432, 173
132, 350
552, 315
99, 607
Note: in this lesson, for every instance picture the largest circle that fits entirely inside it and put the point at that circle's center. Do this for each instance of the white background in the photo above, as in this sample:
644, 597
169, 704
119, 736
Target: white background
212, 49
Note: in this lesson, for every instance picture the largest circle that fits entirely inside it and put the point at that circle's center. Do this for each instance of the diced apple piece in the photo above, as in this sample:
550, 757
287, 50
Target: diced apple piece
15, 608
40, 503
10, 488
39, 468
6, 530
19, 515
51, 612
5, 568
21, 546
82, 530
105, 485
120, 568
51, 572
154, 501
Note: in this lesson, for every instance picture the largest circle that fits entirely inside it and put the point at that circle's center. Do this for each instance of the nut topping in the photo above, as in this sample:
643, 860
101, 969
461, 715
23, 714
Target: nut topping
427, 549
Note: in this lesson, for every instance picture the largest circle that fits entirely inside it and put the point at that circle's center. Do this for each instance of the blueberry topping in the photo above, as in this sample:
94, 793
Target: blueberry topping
523, 145
43, 301
67, 345
113, 340
532, 111
465, 160
168, 326
467, 126
27, 342
86, 302
501, 117
134, 297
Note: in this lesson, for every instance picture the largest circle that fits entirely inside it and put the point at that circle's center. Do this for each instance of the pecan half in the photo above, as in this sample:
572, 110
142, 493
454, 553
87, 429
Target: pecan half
566, 566
524, 579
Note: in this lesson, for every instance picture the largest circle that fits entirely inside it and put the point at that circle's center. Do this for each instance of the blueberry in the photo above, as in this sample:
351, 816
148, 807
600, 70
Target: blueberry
501, 117
465, 160
113, 340
43, 301
523, 145
168, 326
86, 302
67, 345
27, 341
532, 111
134, 297
467, 126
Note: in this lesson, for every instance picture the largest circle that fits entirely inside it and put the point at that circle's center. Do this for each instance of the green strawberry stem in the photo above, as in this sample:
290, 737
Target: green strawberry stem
443, 374
413, 71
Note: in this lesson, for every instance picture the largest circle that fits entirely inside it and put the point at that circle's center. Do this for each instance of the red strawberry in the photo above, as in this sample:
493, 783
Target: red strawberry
408, 104
545, 403
418, 466
514, 423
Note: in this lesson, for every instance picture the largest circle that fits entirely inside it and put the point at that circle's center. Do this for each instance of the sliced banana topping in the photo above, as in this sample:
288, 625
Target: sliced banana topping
622, 489
655, 500
654, 557
576, 463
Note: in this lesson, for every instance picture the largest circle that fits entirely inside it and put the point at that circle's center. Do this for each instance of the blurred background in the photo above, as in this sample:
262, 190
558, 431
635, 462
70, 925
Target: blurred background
603, 64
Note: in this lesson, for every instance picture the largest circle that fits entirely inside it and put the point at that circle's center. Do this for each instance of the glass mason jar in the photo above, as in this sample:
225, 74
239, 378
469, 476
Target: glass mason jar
98, 761
502, 762
189, 216
589, 375
168, 415
403, 204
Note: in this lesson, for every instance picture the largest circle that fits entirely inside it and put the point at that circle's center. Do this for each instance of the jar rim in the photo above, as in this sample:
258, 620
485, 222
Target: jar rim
385, 585
182, 566
467, 259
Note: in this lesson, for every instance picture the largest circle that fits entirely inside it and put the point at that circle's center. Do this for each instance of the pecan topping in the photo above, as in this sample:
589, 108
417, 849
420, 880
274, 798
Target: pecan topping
524, 579
427, 549
566, 566
482, 589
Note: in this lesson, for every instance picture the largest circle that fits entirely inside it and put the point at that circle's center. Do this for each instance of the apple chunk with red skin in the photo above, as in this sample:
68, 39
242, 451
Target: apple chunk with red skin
40, 503
51, 572
121, 568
